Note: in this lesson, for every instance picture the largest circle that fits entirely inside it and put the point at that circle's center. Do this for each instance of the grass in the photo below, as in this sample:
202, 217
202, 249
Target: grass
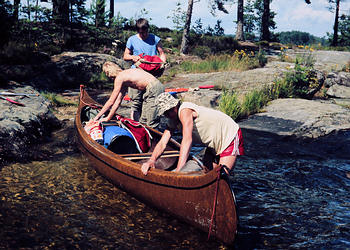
58, 100
239, 60
250, 104
230, 105
294, 84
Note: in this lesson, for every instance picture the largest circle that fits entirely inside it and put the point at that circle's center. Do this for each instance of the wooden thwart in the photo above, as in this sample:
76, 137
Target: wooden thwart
148, 156
150, 153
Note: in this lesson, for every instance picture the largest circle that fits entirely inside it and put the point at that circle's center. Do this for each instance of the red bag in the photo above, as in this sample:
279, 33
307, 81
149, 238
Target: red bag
141, 135
151, 64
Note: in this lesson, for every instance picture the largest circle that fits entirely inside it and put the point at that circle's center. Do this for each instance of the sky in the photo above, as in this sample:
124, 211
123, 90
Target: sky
314, 18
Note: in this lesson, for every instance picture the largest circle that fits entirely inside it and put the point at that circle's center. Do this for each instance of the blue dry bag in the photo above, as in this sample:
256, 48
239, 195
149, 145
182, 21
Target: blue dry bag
119, 140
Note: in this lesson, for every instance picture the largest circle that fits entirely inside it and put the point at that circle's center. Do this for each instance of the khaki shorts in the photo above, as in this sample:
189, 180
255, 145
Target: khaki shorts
149, 113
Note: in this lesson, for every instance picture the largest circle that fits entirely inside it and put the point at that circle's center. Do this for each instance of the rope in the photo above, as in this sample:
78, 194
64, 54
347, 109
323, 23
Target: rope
218, 170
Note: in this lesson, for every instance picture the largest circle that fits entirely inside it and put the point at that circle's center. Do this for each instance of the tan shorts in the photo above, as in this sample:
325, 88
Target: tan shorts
149, 113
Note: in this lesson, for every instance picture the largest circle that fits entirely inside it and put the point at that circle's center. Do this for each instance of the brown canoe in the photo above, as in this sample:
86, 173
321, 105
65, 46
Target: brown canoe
187, 196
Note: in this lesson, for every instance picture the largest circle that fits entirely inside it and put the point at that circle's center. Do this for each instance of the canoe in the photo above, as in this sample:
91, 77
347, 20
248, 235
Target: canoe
204, 198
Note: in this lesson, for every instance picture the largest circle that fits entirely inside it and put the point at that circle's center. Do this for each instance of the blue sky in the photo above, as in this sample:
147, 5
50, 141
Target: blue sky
315, 19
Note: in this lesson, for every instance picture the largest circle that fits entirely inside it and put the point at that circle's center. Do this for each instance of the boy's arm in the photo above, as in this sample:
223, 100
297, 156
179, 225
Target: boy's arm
158, 150
114, 100
186, 118
161, 51
128, 56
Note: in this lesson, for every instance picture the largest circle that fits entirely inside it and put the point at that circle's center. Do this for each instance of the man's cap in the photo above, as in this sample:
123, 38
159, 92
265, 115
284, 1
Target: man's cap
165, 102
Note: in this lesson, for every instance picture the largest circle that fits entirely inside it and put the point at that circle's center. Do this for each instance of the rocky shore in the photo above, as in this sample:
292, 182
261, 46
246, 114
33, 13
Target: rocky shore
21, 127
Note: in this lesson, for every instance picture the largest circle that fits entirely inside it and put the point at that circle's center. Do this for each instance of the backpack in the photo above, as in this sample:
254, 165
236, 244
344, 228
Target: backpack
151, 64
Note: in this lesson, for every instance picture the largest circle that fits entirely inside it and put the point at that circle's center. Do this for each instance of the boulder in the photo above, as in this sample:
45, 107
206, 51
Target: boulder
300, 118
339, 91
203, 97
70, 69
341, 78
21, 127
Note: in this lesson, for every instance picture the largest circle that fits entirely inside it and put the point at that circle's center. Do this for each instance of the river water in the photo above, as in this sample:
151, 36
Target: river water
287, 199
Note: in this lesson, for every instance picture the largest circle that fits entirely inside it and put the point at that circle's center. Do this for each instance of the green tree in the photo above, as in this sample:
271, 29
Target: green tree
334, 6
251, 20
344, 29
6, 21
60, 11
100, 13
298, 38
265, 21
218, 30
259, 18
111, 12
16, 4
78, 13
178, 17
198, 27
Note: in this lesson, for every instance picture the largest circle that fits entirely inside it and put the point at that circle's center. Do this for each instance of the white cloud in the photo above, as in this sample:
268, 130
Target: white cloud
314, 18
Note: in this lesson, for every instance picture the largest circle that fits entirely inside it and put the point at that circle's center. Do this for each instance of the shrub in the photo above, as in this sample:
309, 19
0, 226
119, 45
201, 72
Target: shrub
230, 105
346, 67
201, 51
57, 100
100, 80
218, 44
253, 102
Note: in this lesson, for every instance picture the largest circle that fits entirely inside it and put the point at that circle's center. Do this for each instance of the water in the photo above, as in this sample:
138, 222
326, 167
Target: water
60, 202
293, 204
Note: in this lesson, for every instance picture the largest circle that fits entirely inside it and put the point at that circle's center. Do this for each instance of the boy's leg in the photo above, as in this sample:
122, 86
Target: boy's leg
149, 113
136, 103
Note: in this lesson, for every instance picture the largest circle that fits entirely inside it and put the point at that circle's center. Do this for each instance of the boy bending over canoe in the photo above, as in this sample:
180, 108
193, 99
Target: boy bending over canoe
208, 127
137, 79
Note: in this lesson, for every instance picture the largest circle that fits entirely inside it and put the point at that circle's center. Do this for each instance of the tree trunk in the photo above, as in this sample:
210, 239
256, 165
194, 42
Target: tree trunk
36, 10
111, 12
29, 9
186, 32
100, 12
336, 24
240, 21
265, 33
16, 9
60, 11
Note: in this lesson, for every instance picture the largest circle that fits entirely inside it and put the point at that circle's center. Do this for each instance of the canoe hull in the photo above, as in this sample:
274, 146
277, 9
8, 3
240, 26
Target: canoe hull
187, 197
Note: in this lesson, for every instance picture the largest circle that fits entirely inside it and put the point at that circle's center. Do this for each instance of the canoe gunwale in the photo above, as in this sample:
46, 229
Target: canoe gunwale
188, 197
150, 181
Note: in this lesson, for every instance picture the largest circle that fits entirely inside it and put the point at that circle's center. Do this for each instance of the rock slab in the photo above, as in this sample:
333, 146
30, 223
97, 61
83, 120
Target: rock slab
300, 118
21, 127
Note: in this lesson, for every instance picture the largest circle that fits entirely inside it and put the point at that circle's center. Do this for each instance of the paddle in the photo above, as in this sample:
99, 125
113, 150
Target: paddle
17, 94
12, 101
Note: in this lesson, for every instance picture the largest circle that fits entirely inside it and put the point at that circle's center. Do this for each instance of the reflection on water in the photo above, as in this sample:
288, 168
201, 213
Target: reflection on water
64, 203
